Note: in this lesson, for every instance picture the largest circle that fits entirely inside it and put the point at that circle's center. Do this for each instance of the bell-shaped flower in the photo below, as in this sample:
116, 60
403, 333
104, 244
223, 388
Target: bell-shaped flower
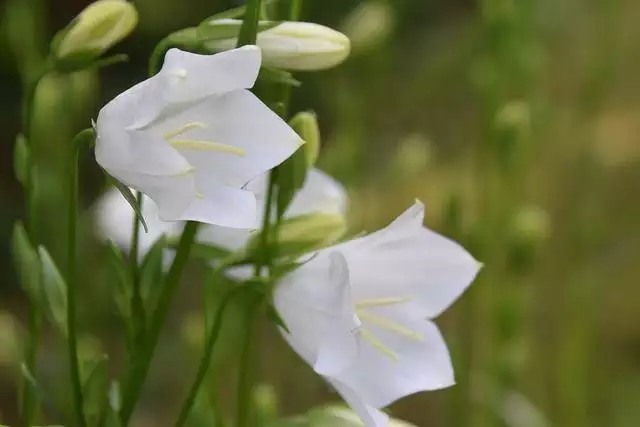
193, 136
360, 312
114, 217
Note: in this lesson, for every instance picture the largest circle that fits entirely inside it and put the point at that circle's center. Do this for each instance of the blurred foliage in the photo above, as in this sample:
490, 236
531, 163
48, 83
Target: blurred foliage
516, 121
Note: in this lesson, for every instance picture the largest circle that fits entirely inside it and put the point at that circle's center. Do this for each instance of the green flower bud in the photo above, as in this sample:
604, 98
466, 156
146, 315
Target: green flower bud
296, 46
313, 231
98, 27
370, 25
306, 125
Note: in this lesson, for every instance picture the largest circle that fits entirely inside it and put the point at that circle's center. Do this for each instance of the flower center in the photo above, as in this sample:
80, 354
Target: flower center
384, 323
198, 144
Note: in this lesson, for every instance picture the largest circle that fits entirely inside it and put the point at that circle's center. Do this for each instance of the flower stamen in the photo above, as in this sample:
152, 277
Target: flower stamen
390, 325
380, 302
198, 144
183, 129
377, 344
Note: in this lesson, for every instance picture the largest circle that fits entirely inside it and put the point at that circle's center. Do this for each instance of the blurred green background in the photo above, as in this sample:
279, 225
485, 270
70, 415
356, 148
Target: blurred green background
517, 122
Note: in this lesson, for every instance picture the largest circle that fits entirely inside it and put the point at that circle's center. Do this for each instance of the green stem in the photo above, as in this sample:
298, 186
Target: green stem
247, 370
137, 307
249, 28
205, 360
72, 267
143, 359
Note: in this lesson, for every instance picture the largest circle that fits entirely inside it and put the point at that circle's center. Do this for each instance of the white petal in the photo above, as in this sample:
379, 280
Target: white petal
172, 194
222, 205
190, 77
370, 416
315, 304
231, 239
417, 365
407, 260
114, 221
259, 137
320, 193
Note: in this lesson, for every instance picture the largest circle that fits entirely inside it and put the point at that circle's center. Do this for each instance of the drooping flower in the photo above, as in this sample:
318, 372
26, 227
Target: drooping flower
114, 217
377, 295
193, 136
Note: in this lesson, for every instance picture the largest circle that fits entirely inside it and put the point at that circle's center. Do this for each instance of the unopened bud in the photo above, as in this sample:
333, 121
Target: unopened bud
514, 115
370, 24
296, 46
98, 27
312, 230
306, 125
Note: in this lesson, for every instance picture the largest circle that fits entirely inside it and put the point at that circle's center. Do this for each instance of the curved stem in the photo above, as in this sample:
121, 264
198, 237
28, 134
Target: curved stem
205, 360
72, 267
137, 307
143, 359
247, 370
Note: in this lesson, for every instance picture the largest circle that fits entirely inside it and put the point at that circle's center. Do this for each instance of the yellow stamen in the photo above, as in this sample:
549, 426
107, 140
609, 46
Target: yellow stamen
183, 129
379, 302
377, 344
196, 144
199, 195
390, 325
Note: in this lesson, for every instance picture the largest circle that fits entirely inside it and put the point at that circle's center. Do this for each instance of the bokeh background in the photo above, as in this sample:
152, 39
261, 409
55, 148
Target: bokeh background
517, 122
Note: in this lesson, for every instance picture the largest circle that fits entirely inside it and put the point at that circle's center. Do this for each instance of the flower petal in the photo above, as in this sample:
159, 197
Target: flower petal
320, 193
114, 221
407, 260
222, 205
315, 304
370, 416
191, 77
418, 364
245, 137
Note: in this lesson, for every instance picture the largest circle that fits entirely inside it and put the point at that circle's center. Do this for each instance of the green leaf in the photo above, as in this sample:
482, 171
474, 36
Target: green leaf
95, 383
21, 159
131, 199
122, 281
54, 291
27, 264
274, 75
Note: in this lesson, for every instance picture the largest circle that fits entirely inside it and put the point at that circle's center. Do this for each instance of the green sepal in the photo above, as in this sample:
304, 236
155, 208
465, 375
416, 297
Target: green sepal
76, 62
54, 291
95, 383
275, 75
27, 264
21, 158
131, 199
274, 316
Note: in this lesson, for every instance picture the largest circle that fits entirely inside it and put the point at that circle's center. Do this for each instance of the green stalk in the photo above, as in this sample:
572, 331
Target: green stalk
137, 307
72, 267
205, 360
249, 28
247, 370
142, 363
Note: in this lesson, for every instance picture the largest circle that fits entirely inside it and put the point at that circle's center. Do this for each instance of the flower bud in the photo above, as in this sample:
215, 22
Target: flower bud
306, 125
296, 46
98, 27
370, 25
313, 231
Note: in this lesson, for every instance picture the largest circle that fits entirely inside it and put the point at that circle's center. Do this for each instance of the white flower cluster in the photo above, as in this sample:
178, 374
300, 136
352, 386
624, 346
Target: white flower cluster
198, 144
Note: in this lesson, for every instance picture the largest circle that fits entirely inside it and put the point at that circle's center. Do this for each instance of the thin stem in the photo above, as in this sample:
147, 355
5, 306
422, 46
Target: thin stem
137, 307
249, 28
72, 267
143, 359
205, 360
247, 370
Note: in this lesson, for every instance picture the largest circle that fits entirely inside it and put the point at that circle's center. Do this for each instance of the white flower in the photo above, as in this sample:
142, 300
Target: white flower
320, 194
297, 46
360, 312
192, 137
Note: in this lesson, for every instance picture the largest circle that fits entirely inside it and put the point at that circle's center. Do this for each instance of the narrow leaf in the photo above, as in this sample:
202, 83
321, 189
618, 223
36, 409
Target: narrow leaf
55, 291
131, 199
